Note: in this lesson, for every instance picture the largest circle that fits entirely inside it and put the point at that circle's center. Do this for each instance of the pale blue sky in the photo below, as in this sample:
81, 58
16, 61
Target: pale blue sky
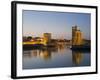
35, 23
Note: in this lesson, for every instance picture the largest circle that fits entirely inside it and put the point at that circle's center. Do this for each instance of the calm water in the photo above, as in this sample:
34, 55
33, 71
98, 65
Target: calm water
60, 56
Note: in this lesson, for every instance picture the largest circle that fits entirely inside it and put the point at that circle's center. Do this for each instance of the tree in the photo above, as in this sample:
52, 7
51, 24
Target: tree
29, 38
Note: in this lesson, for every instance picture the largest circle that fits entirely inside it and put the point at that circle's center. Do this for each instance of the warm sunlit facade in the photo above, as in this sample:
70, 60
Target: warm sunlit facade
76, 36
47, 37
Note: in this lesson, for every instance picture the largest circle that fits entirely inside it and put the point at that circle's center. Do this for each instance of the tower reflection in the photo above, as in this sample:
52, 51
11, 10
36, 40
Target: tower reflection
61, 48
77, 57
45, 53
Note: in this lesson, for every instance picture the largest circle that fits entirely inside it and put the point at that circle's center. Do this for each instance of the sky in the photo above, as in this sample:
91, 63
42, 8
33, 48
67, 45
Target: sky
59, 24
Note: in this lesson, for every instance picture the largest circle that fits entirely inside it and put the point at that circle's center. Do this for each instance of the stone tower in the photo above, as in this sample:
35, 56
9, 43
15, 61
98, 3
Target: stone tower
76, 36
47, 37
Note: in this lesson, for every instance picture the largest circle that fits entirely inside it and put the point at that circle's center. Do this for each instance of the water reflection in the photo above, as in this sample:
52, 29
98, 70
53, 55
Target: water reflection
44, 53
59, 56
77, 57
61, 48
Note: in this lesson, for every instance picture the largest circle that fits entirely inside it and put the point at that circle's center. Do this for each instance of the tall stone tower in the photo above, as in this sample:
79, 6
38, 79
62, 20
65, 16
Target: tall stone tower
76, 36
47, 37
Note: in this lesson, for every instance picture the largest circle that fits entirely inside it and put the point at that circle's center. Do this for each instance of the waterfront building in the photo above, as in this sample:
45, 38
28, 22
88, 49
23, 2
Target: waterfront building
47, 37
76, 36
